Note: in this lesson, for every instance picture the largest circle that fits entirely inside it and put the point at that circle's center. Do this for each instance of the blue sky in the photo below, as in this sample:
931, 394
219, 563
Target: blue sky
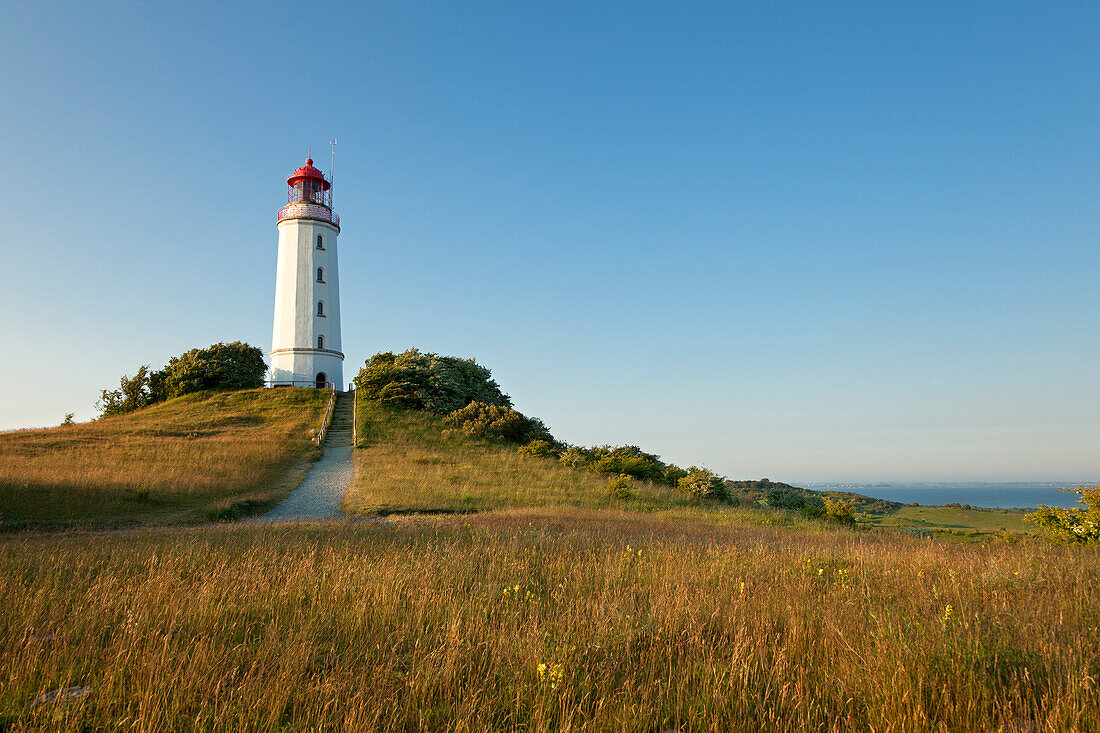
809, 241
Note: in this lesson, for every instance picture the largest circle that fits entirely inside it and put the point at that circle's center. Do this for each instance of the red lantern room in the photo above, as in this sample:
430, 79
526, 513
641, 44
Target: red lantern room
308, 184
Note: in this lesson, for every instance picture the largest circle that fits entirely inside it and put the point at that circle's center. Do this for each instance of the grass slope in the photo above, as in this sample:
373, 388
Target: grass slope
198, 457
643, 623
408, 461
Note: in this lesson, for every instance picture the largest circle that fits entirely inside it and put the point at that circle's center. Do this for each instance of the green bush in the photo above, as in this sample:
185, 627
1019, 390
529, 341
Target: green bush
704, 483
620, 487
219, 366
1073, 526
133, 394
495, 421
813, 507
673, 474
627, 459
425, 381
785, 497
840, 510
542, 448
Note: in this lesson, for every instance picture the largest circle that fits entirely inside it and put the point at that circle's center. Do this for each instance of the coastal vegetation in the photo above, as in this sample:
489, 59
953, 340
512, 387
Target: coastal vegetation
1073, 526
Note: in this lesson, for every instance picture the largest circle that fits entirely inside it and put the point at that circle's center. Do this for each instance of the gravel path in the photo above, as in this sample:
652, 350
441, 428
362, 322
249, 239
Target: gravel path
321, 491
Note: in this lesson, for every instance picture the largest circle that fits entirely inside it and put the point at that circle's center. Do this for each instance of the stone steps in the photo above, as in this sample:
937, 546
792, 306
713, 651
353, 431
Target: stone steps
339, 428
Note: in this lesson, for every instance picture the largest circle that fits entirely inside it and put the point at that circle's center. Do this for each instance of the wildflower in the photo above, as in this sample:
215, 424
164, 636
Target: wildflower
742, 589
550, 675
947, 613
820, 571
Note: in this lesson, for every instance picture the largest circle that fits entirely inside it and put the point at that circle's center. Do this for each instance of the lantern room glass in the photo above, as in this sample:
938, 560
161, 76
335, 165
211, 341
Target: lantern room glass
310, 191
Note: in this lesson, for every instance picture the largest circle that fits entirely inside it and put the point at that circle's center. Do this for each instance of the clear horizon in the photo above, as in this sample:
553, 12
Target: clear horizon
817, 244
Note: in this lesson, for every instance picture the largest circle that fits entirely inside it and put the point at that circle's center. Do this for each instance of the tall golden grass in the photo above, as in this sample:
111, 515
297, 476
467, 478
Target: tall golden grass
189, 458
410, 461
562, 620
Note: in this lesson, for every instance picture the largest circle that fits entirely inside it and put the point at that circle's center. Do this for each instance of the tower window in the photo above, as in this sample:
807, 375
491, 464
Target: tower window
320, 242
320, 274
320, 307
320, 342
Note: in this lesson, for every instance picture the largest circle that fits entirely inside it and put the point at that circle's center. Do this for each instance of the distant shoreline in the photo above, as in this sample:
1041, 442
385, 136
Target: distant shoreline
984, 495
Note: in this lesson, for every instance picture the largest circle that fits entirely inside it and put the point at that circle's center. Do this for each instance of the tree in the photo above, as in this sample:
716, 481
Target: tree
425, 381
219, 366
133, 394
1073, 526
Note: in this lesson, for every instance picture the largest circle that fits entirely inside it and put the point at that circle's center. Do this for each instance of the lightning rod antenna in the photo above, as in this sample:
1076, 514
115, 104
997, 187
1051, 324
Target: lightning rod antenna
332, 161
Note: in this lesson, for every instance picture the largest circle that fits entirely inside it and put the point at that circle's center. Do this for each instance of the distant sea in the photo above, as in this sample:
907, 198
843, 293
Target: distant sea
976, 494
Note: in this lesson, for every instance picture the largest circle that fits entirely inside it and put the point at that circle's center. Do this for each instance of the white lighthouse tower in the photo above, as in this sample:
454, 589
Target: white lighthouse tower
305, 341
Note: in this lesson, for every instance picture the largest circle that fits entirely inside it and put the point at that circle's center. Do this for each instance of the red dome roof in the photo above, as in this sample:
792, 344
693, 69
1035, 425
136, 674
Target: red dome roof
308, 173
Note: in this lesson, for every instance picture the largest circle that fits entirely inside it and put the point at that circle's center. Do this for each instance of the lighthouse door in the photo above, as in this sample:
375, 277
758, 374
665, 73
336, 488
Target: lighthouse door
322, 380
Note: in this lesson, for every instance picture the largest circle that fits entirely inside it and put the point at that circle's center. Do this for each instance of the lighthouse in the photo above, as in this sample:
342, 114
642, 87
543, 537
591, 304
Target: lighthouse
305, 340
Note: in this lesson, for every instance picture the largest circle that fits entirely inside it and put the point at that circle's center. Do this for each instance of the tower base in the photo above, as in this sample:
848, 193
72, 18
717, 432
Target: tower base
307, 368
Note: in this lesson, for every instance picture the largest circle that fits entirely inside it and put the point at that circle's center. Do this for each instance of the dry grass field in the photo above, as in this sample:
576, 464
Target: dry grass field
409, 461
554, 605
197, 457
545, 620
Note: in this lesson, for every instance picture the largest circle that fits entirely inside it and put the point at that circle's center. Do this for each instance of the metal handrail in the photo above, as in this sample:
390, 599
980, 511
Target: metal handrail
320, 437
354, 416
298, 383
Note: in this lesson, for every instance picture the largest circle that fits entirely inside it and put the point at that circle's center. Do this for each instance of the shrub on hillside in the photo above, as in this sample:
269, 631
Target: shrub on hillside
1073, 526
785, 497
620, 487
840, 510
542, 448
482, 420
704, 483
132, 394
673, 474
626, 459
220, 366
425, 381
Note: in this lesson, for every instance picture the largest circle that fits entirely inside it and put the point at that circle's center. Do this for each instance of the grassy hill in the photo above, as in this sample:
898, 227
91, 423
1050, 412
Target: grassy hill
197, 457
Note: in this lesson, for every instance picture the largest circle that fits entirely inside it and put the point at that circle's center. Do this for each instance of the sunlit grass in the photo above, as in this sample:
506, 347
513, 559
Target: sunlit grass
409, 461
637, 622
190, 458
